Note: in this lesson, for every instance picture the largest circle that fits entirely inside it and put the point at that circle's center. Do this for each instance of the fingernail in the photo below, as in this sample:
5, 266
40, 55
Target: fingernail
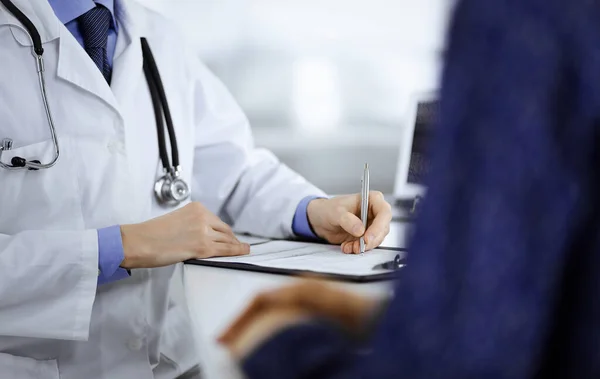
370, 237
357, 229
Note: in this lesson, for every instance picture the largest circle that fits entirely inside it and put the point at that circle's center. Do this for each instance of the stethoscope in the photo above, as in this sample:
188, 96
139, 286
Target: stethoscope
170, 189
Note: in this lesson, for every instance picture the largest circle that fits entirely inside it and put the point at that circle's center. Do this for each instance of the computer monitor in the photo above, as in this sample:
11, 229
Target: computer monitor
413, 158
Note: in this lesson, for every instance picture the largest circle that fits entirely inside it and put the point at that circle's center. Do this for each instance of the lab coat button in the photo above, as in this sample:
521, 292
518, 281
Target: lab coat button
134, 344
116, 147
112, 146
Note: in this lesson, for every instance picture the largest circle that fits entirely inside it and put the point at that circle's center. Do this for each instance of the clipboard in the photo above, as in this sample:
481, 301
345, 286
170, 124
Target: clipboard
296, 259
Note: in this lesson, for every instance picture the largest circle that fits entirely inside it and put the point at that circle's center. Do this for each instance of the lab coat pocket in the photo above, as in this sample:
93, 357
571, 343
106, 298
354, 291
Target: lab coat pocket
41, 199
178, 347
12, 366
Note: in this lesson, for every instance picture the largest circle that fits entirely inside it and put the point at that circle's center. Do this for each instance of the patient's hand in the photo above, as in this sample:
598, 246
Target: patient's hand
242, 338
275, 310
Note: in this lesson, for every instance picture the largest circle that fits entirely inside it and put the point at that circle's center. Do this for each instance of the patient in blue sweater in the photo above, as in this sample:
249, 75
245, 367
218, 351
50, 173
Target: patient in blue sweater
503, 275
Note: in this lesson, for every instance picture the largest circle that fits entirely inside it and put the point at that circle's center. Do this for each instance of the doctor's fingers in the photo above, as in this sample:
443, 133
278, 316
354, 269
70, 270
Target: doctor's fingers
225, 249
218, 225
223, 237
374, 236
199, 215
372, 240
213, 249
349, 222
379, 228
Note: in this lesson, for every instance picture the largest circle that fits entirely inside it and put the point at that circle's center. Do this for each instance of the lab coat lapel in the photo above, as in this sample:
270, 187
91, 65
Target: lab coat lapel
127, 62
41, 15
74, 65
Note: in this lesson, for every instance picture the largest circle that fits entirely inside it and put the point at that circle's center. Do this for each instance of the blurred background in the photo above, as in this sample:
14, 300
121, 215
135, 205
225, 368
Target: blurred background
326, 84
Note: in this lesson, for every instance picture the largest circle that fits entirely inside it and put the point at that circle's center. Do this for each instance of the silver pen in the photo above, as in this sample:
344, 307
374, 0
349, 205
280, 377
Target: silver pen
364, 204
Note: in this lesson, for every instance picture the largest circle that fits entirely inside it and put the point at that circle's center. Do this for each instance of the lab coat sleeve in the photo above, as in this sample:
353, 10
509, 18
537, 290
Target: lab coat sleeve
510, 216
48, 282
248, 187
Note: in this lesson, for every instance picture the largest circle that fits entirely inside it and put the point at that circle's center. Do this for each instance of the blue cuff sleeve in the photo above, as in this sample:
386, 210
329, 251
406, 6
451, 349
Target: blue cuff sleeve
300, 224
110, 255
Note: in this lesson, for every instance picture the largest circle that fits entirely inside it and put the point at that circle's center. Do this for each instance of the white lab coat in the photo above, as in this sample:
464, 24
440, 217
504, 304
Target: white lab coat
54, 321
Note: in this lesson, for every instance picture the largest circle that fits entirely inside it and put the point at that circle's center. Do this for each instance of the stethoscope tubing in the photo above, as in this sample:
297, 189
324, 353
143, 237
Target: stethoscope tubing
36, 40
159, 100
157, 90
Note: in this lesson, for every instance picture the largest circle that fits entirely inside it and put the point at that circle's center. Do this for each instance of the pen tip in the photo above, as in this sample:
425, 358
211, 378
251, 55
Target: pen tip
366, 166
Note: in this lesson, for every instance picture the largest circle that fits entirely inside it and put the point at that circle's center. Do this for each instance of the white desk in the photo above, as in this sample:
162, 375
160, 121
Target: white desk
216, 296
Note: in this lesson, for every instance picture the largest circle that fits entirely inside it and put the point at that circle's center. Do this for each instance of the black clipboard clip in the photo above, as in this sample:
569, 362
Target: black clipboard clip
396, 264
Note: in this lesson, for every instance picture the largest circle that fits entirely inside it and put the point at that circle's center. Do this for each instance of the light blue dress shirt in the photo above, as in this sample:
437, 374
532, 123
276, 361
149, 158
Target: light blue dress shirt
68, 11
110, 244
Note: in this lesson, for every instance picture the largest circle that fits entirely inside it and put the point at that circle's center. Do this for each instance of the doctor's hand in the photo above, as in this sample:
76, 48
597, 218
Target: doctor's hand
190, 232
337, 220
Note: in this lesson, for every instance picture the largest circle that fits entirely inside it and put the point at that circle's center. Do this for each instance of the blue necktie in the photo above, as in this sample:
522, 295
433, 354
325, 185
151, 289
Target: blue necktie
94, 25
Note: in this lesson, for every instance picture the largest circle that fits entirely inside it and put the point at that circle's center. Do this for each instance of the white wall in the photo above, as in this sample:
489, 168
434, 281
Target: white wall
325, 82
407, 31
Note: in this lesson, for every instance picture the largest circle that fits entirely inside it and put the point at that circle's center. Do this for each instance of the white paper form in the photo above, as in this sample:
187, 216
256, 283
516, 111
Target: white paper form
313, 257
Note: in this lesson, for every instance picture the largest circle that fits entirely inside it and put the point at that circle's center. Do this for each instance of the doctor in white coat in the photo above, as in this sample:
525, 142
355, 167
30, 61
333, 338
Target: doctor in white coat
90, 262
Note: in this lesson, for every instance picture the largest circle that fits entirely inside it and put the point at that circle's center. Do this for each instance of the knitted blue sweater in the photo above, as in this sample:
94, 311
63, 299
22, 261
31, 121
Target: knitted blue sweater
503, 276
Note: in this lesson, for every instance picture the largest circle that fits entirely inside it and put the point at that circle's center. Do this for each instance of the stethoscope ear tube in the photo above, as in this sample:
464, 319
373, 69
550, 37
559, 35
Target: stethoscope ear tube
33, 33
19, 163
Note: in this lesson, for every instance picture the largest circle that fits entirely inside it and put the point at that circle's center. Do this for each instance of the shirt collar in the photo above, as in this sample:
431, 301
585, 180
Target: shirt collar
69, 10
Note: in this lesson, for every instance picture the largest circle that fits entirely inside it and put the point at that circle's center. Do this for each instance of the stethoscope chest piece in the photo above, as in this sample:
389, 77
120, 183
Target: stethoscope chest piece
171, 190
